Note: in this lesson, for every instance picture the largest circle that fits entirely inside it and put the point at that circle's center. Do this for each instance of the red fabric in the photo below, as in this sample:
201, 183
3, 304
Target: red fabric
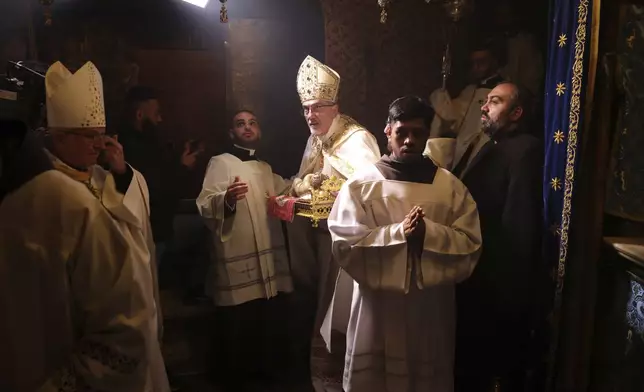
282, 207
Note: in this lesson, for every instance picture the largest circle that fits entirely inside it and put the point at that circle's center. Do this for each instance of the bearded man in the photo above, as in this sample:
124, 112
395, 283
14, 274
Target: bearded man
502, 302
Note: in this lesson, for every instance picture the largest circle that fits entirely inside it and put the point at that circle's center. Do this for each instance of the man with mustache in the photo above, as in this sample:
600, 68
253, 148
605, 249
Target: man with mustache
249, 275
406, 231
338, 146
502, 302
91, 320
460, 115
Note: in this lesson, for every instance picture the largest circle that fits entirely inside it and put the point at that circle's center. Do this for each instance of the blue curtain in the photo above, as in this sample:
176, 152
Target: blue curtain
567, 66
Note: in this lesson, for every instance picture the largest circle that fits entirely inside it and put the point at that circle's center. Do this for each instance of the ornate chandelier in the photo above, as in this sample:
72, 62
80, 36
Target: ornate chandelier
223, 12
454, 8
47, 11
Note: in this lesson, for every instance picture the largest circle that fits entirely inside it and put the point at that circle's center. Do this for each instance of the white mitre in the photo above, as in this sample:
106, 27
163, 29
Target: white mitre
317, 81
74, 100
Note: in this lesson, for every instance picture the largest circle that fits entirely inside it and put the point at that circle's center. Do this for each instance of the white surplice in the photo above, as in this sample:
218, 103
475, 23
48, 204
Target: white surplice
345, 149
249, 259
441, 151
402, 321
131, 212
461, 115
75, 295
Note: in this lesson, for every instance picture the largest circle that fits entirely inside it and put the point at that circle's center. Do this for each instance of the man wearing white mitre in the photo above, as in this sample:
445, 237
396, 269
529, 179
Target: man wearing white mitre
406, 230
338, 146
99, 329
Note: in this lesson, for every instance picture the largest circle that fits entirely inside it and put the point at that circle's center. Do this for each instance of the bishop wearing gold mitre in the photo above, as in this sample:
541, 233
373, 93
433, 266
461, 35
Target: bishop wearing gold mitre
338, 147
79, 310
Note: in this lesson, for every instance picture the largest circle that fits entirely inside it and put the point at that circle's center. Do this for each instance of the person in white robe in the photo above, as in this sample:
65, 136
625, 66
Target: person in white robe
338, 146
406, 231
76, 144
462, 115
524, 61
76, 315
249, 275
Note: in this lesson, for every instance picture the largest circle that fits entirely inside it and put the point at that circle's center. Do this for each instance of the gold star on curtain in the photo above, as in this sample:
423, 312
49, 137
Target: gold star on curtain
559, 137
555, 184
561, 89
562, 40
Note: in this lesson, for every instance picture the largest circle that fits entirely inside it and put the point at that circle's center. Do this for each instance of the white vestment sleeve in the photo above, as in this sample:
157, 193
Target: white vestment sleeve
441, 151
112, 315
132, 206
450, 252
355, 240
449, 109
281, 184
449, 112
365, 150
211, 203
356, 153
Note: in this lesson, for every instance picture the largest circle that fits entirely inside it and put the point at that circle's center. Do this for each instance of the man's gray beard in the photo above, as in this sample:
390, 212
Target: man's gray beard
318, 132
489, 127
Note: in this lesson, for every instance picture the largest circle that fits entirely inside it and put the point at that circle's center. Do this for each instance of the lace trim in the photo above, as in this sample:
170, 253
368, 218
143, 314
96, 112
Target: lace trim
68, 381
116, 361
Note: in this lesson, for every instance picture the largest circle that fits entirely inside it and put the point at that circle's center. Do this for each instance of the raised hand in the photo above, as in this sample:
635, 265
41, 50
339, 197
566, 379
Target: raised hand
236, 191
188, 157
114, 154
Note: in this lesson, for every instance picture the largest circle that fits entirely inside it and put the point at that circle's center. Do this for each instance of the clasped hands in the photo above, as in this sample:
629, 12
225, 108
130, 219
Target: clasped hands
414, 226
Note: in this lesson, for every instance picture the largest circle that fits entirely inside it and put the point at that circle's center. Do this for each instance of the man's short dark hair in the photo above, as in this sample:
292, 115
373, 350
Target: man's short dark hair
491, 45
410, 108
239, 111
520, 97
140, 94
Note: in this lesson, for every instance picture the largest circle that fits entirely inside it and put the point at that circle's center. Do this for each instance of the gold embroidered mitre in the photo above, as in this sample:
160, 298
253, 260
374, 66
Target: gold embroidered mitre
317, 81
74, 100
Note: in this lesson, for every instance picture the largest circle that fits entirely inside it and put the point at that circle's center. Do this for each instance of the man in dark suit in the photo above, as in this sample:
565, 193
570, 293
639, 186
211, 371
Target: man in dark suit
501, 304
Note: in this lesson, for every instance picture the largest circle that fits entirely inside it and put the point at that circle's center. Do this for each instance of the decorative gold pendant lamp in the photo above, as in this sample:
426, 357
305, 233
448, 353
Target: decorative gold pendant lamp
46, 4
223, 12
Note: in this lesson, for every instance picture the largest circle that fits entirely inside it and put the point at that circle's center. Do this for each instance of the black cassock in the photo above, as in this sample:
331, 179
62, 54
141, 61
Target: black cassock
503, 300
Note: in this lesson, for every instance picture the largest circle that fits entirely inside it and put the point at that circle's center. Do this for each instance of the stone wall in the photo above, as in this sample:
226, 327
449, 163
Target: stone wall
381, 62
266, 42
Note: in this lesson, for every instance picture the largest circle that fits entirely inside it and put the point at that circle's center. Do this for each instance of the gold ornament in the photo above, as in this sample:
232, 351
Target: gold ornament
321, 202
454, 8
317, 81
47, 11
383, 10
223, 12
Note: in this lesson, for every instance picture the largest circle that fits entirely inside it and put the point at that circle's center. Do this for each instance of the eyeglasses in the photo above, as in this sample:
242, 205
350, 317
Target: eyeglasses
315, 108
94, 137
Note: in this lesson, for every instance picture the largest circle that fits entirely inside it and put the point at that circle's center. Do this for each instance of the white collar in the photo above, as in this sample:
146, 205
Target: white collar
250, 151
484, 81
